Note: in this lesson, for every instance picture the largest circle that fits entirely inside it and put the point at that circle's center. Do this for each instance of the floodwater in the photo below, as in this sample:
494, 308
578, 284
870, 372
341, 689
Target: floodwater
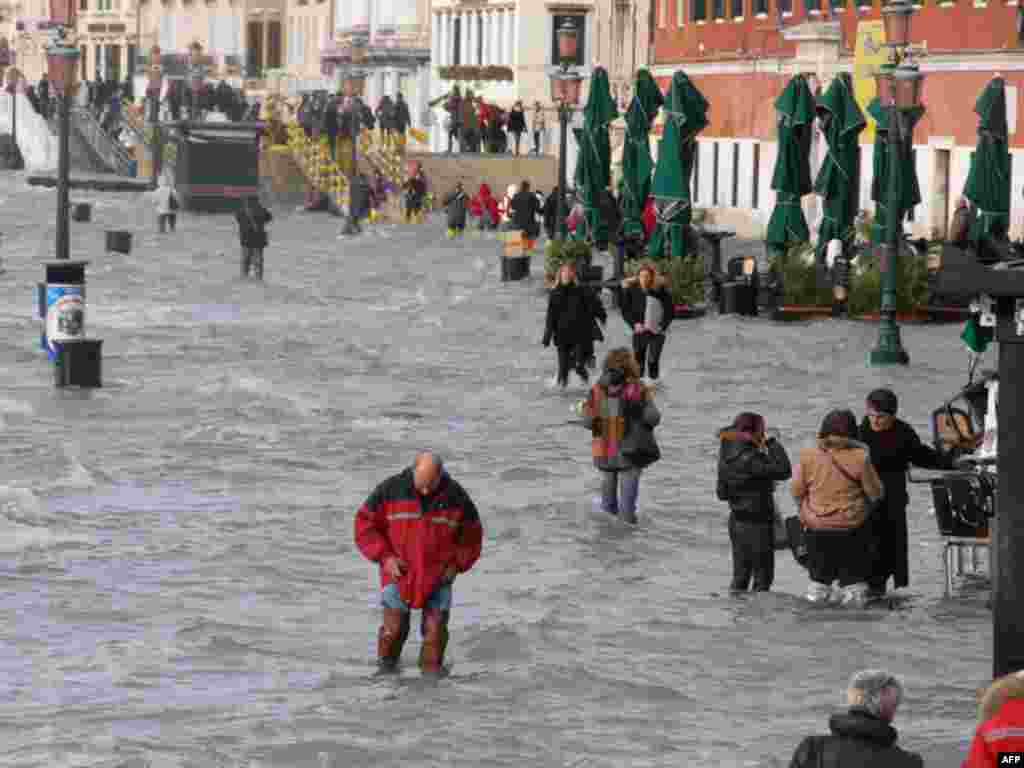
179, 584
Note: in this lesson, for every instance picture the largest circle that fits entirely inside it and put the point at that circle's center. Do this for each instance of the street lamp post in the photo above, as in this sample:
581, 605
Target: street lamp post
153, 88
62, 60
565, 93
899, 91
353, 85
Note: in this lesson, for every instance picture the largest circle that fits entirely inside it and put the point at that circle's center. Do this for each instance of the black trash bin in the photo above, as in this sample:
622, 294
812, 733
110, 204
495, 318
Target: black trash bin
737, 298
81, 212
119, 242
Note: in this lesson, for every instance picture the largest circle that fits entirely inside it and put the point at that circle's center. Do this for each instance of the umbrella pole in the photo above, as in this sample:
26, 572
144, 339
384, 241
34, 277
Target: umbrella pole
890, 349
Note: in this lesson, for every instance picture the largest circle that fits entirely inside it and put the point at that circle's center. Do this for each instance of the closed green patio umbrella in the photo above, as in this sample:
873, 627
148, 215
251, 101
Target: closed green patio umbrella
988, 182
637, 165
686, 115
908, 189
839, 177
594, 162
792, 177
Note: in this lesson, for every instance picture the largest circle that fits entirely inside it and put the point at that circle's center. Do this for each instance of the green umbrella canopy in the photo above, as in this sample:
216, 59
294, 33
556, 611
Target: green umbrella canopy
685, 116
839, 177
637, 164
791, 179
908, 189
594, 161
988, 182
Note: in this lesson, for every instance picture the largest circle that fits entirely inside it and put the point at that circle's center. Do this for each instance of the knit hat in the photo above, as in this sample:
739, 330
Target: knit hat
884, 401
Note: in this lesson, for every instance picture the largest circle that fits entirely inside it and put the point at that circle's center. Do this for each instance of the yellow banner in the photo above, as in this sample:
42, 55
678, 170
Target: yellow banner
869, 55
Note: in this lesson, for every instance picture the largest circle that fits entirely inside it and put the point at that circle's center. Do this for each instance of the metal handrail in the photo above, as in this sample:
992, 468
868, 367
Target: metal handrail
111, 152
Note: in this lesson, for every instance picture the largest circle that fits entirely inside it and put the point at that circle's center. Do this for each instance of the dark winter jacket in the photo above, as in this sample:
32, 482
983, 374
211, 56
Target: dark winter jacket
329, 119
252, 226
517, 121
747, 476
858, 739
893, 451
525, 210
570, 316
429, 533
402, 118
634, 305
456, 204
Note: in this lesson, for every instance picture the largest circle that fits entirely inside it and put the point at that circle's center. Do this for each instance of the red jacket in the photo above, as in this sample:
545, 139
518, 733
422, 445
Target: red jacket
648, 218
484, 201
1003, 732
428, 533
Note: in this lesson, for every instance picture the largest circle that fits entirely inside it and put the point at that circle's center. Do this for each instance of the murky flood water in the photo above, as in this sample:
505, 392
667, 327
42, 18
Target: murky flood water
179, 582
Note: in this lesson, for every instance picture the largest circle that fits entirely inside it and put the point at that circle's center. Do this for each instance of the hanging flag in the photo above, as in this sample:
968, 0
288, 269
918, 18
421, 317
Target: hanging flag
976, 337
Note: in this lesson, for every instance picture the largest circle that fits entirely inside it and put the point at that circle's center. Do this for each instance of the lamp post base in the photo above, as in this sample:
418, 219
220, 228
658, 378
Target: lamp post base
890, 349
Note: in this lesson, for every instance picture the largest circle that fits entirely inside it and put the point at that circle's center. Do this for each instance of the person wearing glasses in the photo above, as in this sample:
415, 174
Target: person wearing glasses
894, 446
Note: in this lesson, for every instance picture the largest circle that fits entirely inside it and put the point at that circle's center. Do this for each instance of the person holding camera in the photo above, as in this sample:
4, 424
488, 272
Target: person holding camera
750, 462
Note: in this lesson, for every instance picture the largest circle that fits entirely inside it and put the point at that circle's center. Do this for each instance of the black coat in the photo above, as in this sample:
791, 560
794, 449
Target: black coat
858, 739
401, 116
894, 451
455, 204
570, 320
516, 121
329, 119
252, 225
634, 305
525, 209
747, 477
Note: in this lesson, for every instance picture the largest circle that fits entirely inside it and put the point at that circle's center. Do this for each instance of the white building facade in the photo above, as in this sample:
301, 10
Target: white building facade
398, 56
503, 50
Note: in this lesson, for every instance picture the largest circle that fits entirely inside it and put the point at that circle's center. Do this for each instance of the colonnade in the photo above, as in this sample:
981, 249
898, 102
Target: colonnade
484, 36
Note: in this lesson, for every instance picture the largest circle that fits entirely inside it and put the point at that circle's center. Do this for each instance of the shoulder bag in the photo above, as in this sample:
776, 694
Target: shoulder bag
639, 445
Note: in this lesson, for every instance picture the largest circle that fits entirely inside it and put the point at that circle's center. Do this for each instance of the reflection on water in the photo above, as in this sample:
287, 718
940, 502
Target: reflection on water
181, 581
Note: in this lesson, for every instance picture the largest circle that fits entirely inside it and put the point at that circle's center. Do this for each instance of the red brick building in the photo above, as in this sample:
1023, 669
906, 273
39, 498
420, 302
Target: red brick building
741, 53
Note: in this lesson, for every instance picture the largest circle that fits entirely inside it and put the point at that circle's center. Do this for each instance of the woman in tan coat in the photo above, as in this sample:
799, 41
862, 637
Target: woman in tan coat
835, 486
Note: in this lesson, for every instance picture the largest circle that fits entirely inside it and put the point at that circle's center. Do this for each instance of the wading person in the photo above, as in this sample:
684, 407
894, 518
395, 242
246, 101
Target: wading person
252, 220
456, 204
423, 529
894, 446
862, 736
834, 485
166, 205
749, 465
616, 401
525, 210
569, 323
648, 310
415, 194
517, 124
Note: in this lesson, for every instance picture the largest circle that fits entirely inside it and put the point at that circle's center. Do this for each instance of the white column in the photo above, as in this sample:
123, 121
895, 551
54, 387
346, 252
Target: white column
447, 44
473, 37
515, 40
485, 31
510, 20
494, 42
442, 41
499, 48
435, 40
463, 38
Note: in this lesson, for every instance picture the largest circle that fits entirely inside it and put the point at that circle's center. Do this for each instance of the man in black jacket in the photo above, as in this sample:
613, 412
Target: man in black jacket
525, 210
863, 735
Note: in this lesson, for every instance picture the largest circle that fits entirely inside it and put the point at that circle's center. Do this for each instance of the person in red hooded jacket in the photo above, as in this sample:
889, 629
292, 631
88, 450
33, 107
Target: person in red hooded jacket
648, 218
1001, 713
423, 530
485, 207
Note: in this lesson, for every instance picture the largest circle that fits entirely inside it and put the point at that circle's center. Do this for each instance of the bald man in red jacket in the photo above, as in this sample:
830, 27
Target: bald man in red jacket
423, 530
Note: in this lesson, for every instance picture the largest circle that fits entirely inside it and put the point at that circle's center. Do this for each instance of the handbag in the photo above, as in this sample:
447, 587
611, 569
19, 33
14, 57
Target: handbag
796, 536
780, 536
639, 445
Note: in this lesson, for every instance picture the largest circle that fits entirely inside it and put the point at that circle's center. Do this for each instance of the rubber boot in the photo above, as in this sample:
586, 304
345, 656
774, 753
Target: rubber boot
855, 595
391, 637
435, 639
818, 592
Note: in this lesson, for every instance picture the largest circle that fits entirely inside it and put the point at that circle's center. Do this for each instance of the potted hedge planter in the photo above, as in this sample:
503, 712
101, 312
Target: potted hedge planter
559, 252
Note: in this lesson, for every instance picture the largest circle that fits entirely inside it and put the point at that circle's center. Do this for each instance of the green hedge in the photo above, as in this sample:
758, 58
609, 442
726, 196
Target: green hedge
865, 293
685, 277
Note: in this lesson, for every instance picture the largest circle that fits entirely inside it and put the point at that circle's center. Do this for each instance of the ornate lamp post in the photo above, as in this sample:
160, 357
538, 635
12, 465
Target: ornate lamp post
352, 88
565, 93
62, 60
154, 85
899, 91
